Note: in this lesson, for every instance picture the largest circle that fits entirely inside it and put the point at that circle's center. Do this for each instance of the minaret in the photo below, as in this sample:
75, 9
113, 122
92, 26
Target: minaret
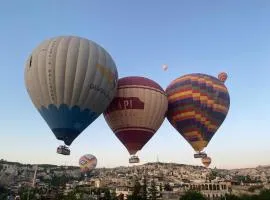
35, 175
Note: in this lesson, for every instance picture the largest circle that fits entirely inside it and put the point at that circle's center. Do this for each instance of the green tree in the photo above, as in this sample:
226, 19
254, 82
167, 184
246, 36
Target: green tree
137, 189
249, 197
230, 197
107, 194
59, 180
192, 195
3, 193
136, 194
213, 174
264, 195
28, 193
167, 187
113, 195
144, 189
153, 191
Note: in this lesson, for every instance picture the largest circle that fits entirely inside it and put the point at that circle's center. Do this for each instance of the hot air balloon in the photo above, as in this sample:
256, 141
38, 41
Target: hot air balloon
223, 76
71, 81
136, 112
87, 163
206, 161
198, 104
164, 67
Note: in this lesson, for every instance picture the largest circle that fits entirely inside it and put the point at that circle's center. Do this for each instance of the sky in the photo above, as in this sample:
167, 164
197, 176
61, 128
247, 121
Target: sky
189, 36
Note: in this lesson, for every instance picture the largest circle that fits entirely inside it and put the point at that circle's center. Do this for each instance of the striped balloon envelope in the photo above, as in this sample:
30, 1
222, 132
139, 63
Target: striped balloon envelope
137, 111
198, 105
71, 81
87, 163
206, 161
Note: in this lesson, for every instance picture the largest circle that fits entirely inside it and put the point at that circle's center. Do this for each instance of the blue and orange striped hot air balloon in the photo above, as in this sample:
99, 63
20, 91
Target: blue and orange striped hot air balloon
198, 105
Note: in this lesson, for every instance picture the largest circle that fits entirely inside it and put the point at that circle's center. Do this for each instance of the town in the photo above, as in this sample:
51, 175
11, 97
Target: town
161, 180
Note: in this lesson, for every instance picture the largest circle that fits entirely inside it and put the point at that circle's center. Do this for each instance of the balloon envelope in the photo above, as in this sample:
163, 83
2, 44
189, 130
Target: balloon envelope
87, 163
71, 81
198, 104
223, 76
165, 67
206, 161
136, 112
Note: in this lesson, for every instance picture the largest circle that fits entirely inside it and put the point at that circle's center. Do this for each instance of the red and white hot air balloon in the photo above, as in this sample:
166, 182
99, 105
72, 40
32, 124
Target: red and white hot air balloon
136, 112
206, 161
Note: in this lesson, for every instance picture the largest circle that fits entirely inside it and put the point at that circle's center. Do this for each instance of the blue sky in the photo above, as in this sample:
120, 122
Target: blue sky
190, 36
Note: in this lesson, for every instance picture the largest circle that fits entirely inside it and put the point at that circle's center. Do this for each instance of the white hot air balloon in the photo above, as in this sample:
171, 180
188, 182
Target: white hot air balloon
71, 81
164, 67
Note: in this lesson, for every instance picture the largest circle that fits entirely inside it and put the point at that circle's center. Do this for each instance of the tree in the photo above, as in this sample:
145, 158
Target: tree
153, 191
107, 194
113, 195
230, 197
59, 180
136, 194
213, 174
144, 189
137, 189
192, 195
264, 195
167, 187
3, 193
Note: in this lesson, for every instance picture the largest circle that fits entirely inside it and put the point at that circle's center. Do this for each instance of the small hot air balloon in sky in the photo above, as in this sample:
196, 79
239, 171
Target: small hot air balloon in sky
206, 161
164, 67
87, 163
198, 105
223, 76
71, 81
136, 112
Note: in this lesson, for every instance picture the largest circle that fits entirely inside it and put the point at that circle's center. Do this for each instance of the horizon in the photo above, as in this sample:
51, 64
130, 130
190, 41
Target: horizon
189, 36
135, 165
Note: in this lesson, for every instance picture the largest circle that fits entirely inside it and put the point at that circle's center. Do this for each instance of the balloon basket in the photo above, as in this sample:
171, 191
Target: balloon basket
64, 150
200, 155
134, 159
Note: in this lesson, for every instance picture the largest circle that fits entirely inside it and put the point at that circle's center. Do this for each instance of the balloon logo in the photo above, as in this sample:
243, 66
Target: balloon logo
71, 81
136, 112
87, 163
198, 105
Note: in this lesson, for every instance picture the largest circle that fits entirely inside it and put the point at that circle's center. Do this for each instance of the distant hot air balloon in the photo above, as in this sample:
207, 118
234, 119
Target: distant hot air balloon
87, 163
206, 161
71, 81
198, 104
223, 76
137, 112
165, 67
